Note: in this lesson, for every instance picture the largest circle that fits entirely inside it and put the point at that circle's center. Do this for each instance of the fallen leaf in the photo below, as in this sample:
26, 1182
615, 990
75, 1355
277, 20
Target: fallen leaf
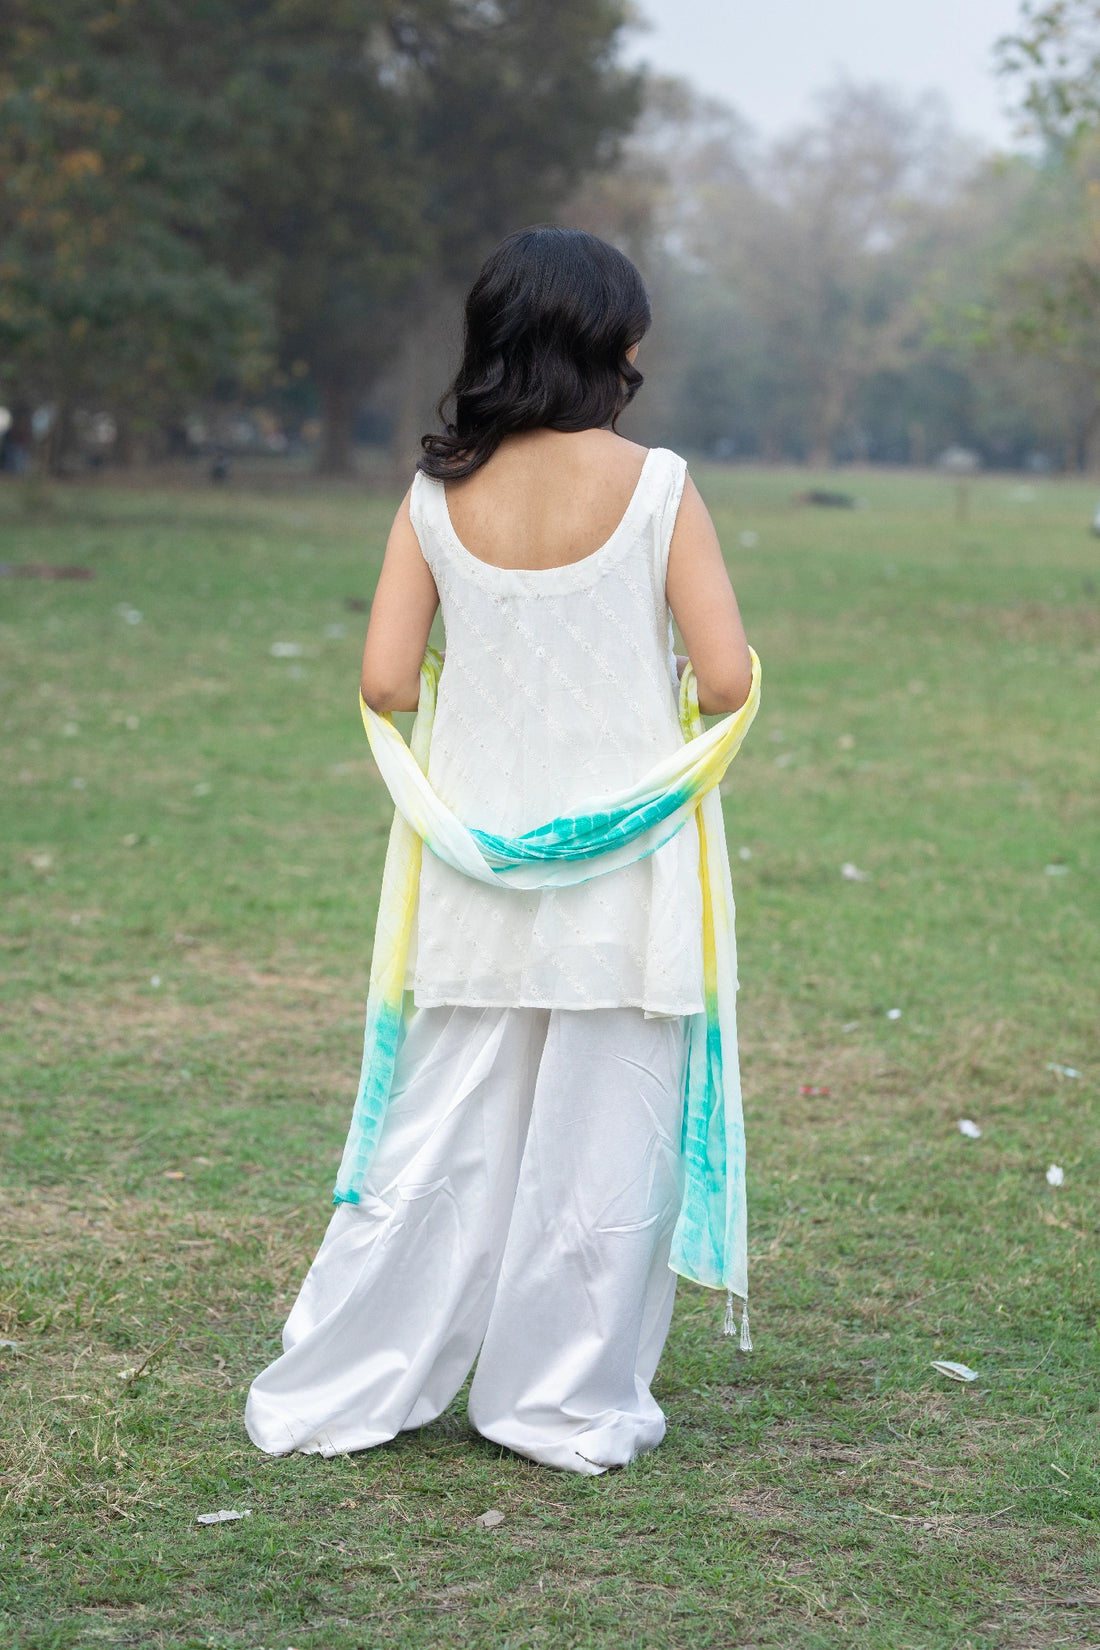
953, 1371
174, 1174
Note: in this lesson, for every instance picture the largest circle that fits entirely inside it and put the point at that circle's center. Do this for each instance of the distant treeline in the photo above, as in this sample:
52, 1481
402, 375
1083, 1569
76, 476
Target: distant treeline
871, 287
211, 206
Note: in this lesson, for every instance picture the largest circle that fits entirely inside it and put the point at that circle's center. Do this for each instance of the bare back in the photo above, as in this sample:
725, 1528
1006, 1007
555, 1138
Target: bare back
549, 499
546, 498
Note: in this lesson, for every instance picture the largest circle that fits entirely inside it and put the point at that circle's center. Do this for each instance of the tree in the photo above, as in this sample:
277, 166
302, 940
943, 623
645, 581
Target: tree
105, 196
1056, 56
175, 172
1047, 301
800, 267
385, 146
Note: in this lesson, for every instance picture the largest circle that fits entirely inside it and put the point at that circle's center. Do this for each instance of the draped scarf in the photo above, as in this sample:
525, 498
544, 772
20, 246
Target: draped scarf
709, 1244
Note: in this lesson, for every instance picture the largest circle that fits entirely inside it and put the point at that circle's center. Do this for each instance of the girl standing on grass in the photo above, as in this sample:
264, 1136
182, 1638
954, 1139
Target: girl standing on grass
549, 1104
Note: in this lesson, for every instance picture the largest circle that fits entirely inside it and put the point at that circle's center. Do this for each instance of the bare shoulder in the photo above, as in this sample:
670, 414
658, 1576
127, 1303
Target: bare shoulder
694, 526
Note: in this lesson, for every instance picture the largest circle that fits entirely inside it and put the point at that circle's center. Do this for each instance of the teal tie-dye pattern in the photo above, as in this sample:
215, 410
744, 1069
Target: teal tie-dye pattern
709, 1244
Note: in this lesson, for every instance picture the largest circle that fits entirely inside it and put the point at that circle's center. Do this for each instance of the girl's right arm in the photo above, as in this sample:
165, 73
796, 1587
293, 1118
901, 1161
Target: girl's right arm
405, 603
704, 606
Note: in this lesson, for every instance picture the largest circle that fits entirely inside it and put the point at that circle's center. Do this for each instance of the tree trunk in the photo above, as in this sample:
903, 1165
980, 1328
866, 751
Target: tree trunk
1090, 444
59, 441
407, 424
340, 394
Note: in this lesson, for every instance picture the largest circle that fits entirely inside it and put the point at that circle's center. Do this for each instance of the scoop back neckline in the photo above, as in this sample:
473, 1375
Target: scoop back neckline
559, 567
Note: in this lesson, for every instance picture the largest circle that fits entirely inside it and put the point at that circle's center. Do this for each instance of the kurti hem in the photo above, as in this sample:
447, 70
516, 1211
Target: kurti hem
659, 1009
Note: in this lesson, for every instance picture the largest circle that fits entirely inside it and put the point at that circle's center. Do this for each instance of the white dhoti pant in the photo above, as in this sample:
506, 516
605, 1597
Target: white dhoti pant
519, 1211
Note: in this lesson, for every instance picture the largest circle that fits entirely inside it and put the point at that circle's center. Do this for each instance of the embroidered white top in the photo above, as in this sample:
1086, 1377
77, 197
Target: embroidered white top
559, 687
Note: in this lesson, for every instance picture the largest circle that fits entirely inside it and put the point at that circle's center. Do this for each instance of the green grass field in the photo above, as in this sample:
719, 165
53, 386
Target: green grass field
192, 844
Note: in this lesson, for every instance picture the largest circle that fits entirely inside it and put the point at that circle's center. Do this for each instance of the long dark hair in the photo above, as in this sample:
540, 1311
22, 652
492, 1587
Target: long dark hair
548, 323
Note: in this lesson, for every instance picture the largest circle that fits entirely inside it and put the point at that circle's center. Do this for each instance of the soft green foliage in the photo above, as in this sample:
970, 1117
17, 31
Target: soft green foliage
930, 716
112, 173
180, 177
1054, 59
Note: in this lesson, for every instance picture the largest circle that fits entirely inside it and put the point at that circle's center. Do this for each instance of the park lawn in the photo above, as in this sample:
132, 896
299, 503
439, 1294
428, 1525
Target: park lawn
191, 852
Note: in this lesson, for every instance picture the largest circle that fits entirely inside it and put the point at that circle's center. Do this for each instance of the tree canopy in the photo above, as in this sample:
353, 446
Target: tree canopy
186, 184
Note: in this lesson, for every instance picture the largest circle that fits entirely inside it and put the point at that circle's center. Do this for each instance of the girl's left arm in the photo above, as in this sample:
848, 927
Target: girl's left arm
405, 603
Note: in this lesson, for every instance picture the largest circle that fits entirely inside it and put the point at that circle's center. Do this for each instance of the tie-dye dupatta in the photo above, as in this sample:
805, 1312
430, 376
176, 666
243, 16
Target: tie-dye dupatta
709, 1243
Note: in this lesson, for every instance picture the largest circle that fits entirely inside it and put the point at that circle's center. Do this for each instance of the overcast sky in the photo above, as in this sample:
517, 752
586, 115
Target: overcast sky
768, 57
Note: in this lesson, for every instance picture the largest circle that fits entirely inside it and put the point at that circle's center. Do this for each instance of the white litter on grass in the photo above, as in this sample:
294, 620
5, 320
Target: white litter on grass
1055, 1175
744, 853
850, 1025
9, 1346
333, 632
225, 1516
953, 1371
154, 981
971, 1130
132, 615
1062, 1071
286, 650
852, 873
1056, 870
893, 1013
489, 1520
748, 539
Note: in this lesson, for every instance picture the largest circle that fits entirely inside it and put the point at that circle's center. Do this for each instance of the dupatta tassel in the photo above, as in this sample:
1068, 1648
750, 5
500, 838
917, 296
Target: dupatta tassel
729, 1325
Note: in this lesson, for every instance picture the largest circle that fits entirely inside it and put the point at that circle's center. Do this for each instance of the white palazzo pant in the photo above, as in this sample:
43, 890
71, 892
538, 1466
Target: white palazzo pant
519, 1211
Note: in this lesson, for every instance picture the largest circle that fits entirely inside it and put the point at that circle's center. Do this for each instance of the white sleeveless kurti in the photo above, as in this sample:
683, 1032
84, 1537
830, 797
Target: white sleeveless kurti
559, 686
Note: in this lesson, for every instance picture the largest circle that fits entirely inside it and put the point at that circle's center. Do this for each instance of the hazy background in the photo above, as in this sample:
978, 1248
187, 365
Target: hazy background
240, 233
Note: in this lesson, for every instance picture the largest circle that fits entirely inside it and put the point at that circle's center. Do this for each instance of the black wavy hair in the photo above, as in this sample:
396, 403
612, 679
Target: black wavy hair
548, 323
